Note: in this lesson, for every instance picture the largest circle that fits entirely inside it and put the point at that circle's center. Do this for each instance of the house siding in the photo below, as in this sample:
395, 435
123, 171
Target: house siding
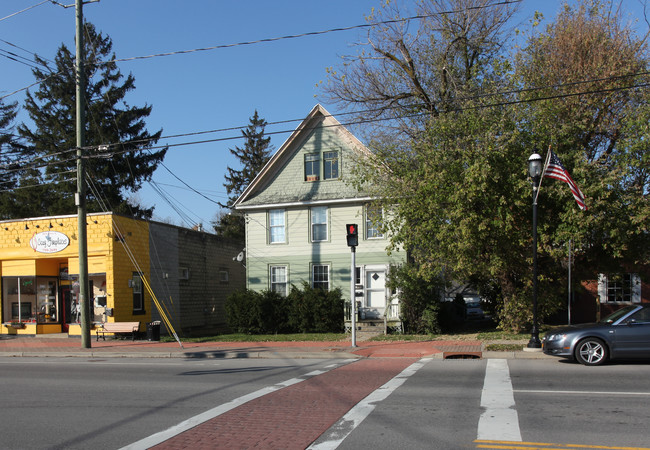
299, 253
283, 184
289, 184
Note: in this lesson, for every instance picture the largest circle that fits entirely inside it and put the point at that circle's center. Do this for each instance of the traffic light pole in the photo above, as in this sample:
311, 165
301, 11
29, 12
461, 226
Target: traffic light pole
353, 299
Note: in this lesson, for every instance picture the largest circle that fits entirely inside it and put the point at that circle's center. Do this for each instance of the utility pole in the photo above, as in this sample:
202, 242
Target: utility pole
80, 197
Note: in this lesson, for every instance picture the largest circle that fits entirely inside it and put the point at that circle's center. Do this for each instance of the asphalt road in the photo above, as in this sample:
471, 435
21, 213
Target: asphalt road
441, 404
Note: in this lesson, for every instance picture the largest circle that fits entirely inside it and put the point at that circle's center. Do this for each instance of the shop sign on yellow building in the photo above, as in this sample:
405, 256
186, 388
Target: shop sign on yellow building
39, 272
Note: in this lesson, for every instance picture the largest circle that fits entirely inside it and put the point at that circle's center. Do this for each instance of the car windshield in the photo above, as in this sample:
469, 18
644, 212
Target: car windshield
613, 317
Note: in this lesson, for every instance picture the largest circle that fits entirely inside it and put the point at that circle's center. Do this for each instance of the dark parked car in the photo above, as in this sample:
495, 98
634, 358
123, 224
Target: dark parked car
623, 334
473, 310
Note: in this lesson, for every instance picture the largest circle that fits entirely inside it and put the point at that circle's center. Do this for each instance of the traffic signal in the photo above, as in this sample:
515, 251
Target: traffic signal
352, 230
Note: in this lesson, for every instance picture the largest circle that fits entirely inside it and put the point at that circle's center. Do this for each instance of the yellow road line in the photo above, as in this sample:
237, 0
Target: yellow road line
510, 445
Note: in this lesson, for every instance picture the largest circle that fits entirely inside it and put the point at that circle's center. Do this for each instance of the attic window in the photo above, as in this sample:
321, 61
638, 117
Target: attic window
312, 167
330, 165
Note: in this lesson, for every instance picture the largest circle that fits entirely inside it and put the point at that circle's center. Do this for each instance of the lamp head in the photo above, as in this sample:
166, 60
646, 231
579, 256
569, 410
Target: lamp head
535, 165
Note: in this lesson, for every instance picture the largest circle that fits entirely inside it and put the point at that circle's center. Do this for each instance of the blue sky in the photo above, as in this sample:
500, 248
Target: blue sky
205, 90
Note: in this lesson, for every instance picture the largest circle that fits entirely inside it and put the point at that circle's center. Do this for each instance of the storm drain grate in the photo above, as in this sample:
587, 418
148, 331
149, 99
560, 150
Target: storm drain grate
462, 355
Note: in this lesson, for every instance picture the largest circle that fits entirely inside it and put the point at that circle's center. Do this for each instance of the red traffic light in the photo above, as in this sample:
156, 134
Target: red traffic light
352, 230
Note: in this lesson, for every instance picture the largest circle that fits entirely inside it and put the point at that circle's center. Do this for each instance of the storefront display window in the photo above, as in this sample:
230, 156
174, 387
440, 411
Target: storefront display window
19, 299
96, 292
98, 297
47, 297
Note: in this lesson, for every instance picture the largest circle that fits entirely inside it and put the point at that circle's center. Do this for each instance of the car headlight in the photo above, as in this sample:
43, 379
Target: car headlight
555, 337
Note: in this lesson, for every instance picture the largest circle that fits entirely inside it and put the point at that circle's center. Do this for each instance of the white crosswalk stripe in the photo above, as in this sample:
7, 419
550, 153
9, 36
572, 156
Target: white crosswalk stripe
499, 420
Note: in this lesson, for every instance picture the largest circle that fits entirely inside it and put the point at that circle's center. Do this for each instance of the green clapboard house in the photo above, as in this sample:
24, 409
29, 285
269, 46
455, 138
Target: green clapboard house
296, 212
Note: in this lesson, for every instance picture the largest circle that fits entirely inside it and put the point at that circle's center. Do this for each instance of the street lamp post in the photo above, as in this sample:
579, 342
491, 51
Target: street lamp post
535, 172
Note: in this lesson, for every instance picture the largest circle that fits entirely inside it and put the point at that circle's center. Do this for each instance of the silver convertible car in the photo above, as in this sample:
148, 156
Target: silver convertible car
623, 334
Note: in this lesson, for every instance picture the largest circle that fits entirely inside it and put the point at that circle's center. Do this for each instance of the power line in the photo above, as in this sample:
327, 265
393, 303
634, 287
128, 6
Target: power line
380, 119
14, 57
25, 50
23, 10
293, 36
33, 84
108, 154
314, 33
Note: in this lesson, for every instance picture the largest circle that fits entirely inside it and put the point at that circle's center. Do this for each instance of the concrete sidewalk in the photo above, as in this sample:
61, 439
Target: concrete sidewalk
64, 346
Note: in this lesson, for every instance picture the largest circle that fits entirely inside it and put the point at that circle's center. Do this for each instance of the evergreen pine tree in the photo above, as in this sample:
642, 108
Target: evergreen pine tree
9, 154
252, 157
119, 148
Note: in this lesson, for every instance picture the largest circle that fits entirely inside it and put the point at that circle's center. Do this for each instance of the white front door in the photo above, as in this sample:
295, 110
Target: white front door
375, 297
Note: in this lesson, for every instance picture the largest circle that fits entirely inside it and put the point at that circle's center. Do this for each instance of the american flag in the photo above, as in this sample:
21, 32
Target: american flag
555, 169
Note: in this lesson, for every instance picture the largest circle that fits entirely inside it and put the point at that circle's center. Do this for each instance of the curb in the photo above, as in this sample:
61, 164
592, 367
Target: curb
262, 355
181, 355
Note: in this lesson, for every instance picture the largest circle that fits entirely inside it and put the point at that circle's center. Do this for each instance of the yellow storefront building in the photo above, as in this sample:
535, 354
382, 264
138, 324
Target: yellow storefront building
39, 273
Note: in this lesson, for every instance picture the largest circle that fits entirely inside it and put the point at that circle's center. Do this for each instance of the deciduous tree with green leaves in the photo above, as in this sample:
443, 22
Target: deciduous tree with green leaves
457, 187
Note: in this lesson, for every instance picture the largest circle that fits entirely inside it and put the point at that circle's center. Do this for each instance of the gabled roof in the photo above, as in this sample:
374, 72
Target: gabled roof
318, 117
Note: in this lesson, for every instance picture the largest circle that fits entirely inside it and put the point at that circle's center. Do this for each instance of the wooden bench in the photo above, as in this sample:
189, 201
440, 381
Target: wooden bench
118, 327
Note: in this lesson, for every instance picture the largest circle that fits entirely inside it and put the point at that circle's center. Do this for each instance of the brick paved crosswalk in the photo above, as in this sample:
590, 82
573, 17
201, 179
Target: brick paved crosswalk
293, 417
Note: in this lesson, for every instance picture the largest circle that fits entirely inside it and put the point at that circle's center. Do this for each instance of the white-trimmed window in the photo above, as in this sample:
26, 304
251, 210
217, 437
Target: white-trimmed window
374, 222
277, 230
330, 165
619, 288
320, 276
312, 167
278, 278
319, 224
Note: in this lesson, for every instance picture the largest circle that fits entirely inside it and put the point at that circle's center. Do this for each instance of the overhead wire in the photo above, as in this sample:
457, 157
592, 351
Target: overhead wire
419, 114
162, 308
108, 154
293, 36
315, 33
24, 10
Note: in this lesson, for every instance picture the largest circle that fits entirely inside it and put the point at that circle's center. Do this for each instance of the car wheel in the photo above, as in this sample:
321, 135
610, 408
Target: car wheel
591, 352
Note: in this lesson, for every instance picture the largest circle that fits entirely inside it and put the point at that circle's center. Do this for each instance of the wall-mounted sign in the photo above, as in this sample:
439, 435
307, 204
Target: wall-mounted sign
49, 242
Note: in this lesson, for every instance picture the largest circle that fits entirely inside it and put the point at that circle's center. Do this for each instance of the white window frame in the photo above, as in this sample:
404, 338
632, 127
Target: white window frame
607, 289
323, 224
273, 281
331, 159
312, 167
314, 282
280, 227
372, 229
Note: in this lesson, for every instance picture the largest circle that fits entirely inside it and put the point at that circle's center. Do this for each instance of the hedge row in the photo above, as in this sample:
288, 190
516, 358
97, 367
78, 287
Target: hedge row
305, 310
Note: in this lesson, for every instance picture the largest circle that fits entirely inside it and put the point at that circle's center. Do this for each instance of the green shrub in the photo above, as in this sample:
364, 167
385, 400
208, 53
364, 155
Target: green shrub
243, 311
430, 321
315, 310
419, 299
303, 311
